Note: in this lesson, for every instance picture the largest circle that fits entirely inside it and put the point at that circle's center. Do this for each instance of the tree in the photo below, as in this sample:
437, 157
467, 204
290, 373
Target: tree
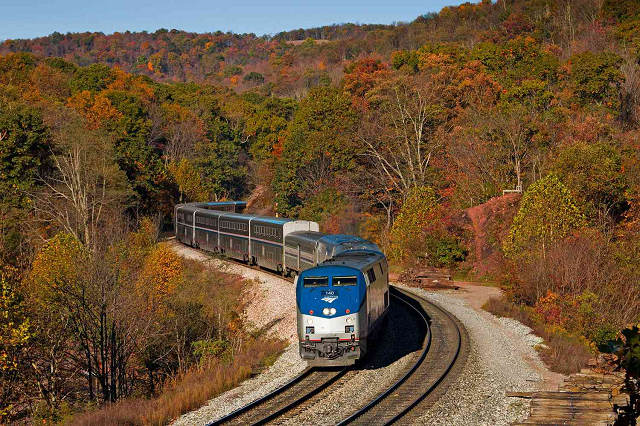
86, 186
413, 220
24, 151
592, 172
548, 213
94, 78
84, 304
15, 334
399, 133
597, 78
183, 131
95, 108
319, 149
189, 181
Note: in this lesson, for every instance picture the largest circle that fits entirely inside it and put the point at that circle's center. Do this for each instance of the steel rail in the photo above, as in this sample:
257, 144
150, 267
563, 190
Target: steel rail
442, 376
317, 389
232, 415
404, 378
395, 386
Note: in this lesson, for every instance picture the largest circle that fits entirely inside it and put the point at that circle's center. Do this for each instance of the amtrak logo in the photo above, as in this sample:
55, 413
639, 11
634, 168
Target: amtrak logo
329, 296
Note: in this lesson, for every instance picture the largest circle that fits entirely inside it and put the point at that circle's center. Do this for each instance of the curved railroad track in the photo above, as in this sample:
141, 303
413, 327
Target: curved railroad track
284, 399
434, 366
443, 355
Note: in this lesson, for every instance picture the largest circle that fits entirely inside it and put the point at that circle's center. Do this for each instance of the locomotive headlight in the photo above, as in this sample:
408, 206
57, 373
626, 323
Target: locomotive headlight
332, 311
326, 311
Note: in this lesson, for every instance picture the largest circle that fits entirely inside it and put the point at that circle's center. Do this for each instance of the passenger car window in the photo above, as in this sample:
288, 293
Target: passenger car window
315, 281
371, 275
344, 281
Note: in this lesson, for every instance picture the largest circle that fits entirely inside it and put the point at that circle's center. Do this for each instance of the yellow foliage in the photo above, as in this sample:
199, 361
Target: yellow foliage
413, 219
189, 180
161, 273
56, 267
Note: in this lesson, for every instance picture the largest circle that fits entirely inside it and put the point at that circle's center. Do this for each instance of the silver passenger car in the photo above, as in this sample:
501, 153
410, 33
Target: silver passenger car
305, 250
253, 239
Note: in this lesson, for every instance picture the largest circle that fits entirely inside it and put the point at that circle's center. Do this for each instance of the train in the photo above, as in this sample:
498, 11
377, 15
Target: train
342, 285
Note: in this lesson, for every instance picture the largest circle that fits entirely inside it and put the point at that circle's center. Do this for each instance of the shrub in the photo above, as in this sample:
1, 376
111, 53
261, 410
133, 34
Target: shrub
547, 214
563, 352
445, 251
188, 390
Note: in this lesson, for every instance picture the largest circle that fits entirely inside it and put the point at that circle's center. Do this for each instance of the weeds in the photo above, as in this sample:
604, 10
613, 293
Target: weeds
563, 352
187, 391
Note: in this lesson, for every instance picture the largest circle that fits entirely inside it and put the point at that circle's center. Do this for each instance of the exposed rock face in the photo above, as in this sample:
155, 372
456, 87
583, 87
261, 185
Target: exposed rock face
488, 225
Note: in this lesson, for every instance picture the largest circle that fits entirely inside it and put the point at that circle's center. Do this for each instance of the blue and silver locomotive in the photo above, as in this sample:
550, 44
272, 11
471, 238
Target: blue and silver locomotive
341, 305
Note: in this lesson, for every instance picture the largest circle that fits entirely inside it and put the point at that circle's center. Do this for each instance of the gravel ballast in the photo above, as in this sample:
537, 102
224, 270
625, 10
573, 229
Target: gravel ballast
502, 358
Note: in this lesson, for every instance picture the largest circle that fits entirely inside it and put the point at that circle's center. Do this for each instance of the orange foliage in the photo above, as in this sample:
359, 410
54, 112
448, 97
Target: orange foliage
550, 309
132, 83
96, 109
363, 75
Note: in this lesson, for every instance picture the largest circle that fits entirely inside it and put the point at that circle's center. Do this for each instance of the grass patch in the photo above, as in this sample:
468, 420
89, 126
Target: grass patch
187, 391
564, 353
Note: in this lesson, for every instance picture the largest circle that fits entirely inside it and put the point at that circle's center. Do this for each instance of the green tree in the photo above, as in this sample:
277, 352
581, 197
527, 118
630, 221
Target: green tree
24, 150
548, 213
95, 77
596, 77
319, 150
593, 172
522, 58
254, 77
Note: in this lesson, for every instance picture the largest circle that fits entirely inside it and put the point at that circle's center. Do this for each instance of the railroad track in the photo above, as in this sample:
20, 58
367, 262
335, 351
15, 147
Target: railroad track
444, 352
440, 358
284, 399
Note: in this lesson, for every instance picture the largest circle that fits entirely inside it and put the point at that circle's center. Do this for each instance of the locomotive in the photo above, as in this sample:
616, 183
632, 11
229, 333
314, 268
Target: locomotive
342, 285
341, 305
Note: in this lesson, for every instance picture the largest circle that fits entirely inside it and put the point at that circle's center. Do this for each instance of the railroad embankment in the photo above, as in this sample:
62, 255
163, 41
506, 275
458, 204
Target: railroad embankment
502, 357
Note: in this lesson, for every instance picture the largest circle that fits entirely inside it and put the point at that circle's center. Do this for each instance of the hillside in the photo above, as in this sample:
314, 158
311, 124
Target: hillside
246, 61
404, 134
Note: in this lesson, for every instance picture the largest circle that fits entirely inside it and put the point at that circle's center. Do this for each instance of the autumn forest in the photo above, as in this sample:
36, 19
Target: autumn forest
499, 141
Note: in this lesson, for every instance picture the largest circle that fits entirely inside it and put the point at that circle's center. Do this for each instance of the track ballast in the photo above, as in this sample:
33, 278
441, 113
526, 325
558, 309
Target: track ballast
443, 352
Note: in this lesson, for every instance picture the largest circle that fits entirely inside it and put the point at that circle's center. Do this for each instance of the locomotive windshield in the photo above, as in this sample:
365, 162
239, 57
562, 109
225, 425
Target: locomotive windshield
344, 281
315, 281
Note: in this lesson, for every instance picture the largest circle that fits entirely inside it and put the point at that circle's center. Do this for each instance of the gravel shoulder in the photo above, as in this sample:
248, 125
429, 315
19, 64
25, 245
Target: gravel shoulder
271, 302
502, 358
